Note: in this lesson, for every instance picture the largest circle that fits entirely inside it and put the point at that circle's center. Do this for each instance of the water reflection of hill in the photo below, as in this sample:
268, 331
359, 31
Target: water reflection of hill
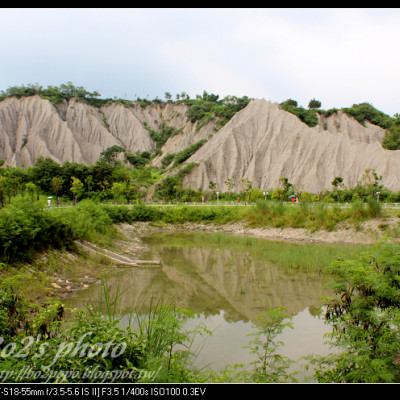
206, 279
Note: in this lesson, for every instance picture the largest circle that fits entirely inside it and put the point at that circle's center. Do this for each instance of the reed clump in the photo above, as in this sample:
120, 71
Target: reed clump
311, 217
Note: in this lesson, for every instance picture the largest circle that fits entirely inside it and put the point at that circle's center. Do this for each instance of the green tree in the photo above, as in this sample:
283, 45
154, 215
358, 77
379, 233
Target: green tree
314, 104
9, 185
245, 186
309, 117
167, 188
338, 184
110, 155
391, 141
89, 184
43, 172
138, 159
277, 194
230, 183
31, 188
102, 172
2, 190
56, 185
76, 186
130, 190
184, 96
289, 103
212, 185
210, 96
117, 190
367, 112
370, 181
286, 186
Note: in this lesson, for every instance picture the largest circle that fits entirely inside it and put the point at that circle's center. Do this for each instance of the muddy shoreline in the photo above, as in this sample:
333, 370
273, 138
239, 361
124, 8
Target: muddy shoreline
369, 232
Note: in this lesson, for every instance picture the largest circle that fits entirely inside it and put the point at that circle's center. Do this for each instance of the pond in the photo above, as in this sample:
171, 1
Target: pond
227, 282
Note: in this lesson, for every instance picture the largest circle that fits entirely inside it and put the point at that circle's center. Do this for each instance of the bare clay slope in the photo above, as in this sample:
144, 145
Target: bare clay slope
77, 132
263, 143
72, 131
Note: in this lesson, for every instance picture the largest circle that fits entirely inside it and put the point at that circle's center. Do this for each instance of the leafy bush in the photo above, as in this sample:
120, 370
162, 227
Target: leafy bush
365, 318
366, 112
182, 155
25, 228
145, 213
309, 117
205, 107
167, 160
118, 214
87, 220
138, 159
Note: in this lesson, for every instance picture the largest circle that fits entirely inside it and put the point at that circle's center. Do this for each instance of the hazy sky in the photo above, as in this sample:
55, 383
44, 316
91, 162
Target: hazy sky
338, 56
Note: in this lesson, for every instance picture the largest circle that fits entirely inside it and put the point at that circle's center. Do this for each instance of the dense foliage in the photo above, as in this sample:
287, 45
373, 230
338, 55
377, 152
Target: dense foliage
309, 117
365, 317
391, 140
106, 179
52, 93
208, 106
366, 112
182, 155
25, 228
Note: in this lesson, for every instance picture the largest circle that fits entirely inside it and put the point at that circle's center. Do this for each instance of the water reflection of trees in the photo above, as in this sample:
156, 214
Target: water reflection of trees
207, 280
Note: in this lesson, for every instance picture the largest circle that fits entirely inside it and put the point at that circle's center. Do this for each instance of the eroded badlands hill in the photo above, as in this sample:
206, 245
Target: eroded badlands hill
75, 131
261, 142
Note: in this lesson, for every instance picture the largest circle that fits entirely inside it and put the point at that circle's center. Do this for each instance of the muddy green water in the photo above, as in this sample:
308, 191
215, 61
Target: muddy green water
227, 281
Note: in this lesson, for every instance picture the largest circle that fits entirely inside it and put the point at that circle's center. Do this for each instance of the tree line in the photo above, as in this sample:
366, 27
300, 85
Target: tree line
110, 179
103, 180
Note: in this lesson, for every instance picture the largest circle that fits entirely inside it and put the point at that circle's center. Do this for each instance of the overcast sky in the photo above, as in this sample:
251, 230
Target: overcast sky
338, 56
